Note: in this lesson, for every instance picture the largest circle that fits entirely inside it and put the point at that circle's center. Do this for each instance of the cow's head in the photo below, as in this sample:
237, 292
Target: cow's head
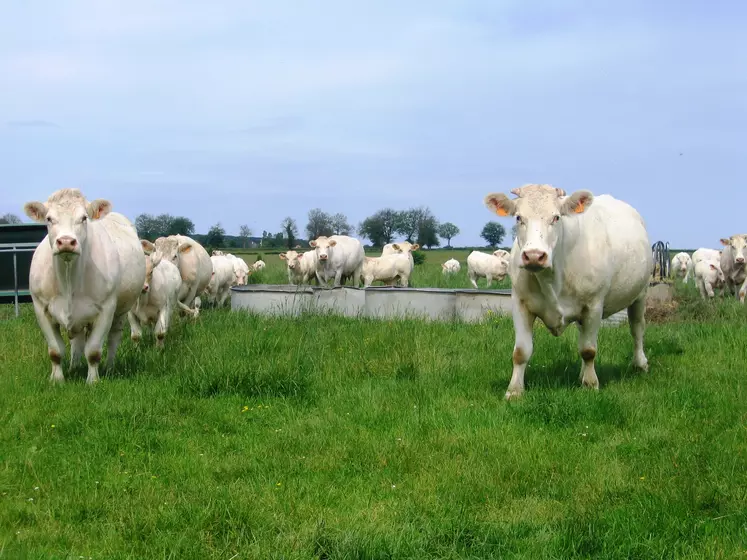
405, 247
152, 260
738, 244
682, 262
720, 278
172, 248
66, 214
239, 272
292, 259
322, 246
538, 210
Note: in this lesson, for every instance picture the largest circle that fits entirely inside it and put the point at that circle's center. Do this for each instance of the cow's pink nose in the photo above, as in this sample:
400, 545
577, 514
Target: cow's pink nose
146, 288
534, 256
323, 257
740, 260
66, 243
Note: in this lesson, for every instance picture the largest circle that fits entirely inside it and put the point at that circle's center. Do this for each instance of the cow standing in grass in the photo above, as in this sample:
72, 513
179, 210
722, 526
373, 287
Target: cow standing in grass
708, 277
301, 266
575, 259
387, 269
194, 266
451, 266
734, 265
159, 297
482, 265
682, 266
85, 276
339, 257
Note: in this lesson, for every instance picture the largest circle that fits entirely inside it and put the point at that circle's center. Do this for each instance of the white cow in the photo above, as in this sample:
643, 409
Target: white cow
482, 265
219, 287
708, 275
734, 265
451, 266
387, 269
682, 266
403, 247
259, 265
159, 297
576, 258
704, 254
339, 257
301, 266
240, 268
194, 266
85, 276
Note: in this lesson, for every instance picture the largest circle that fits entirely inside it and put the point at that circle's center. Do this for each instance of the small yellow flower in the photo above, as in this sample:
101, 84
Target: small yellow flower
245, 409
643, 478
279, 484
52, 426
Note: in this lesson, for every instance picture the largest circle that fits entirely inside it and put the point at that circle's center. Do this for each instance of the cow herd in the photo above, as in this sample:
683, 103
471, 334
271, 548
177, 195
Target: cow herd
712, 269
575, 259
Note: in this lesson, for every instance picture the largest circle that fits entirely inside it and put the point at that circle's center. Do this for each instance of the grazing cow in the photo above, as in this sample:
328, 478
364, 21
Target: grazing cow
682, 266
240, 269
194, 266
403, 247
387, 269
217, 253
734, 265
708, 275
301, 266
482, 265
704, 254
159, 296
85, 276
574, 261
259, 265
219, 287
451, 266
338, 257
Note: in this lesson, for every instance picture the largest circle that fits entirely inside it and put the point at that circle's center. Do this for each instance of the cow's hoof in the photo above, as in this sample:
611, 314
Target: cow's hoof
513, 395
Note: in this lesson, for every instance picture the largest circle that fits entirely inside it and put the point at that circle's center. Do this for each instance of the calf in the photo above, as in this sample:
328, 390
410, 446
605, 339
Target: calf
682, 266
301, 266
338, 256
85, 276
194, 266
734, 265
259, 265
575, 259
159, 296
482, 265
704, 254
451, 266
708, 275
219, 287
387, 269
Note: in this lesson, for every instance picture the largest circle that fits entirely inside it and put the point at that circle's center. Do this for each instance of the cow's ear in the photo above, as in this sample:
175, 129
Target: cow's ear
395, 246
147, 246
37, 211
332, 242
99, 208
577, 203
500, 204
185, 247
713, 266
725, 241
299, 256
312, 243
415, 247
155, 259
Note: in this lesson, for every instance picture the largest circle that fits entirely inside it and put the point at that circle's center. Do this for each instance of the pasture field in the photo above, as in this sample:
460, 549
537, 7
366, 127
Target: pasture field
325, 437
426, 275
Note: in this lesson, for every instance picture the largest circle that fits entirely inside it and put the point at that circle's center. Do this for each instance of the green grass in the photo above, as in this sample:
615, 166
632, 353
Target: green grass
428, 274
324, 437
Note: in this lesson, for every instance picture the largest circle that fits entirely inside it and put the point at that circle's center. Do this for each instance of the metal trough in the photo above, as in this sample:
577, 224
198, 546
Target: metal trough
433, 304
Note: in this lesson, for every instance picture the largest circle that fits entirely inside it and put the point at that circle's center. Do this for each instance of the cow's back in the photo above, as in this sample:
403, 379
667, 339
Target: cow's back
348, 253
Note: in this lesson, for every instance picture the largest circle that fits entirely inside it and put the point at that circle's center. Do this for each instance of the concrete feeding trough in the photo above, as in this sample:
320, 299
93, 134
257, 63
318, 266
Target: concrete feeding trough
434, 304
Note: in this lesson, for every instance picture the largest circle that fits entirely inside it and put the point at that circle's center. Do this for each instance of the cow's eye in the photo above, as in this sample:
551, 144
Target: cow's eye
555, 219
518, 219
83, 219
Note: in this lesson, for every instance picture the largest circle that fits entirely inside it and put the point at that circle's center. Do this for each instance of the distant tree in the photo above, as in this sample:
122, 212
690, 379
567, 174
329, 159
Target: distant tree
181, 225
447, 230
340, 224
10, 219
290, 231
428, 232
410, 222
320, 223
146, 227
215, 236
245, 233
380, 227
493, 233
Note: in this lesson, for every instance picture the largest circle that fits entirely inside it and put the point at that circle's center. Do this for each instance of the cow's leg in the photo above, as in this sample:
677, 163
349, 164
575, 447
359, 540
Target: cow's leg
488, 280
338, 277
113, 340
472, 278
223, 297
742, 291
162, 324
136, 329
637, 321
357, 276
55, 343
588, 329
708, 288
95, 342
77, 346
523, 346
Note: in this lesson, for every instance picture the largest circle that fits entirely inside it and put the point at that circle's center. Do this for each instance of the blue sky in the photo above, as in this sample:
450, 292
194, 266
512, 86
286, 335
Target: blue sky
245, 111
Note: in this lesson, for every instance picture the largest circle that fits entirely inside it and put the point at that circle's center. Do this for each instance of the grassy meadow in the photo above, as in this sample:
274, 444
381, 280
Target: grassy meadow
332, 438
426, 275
